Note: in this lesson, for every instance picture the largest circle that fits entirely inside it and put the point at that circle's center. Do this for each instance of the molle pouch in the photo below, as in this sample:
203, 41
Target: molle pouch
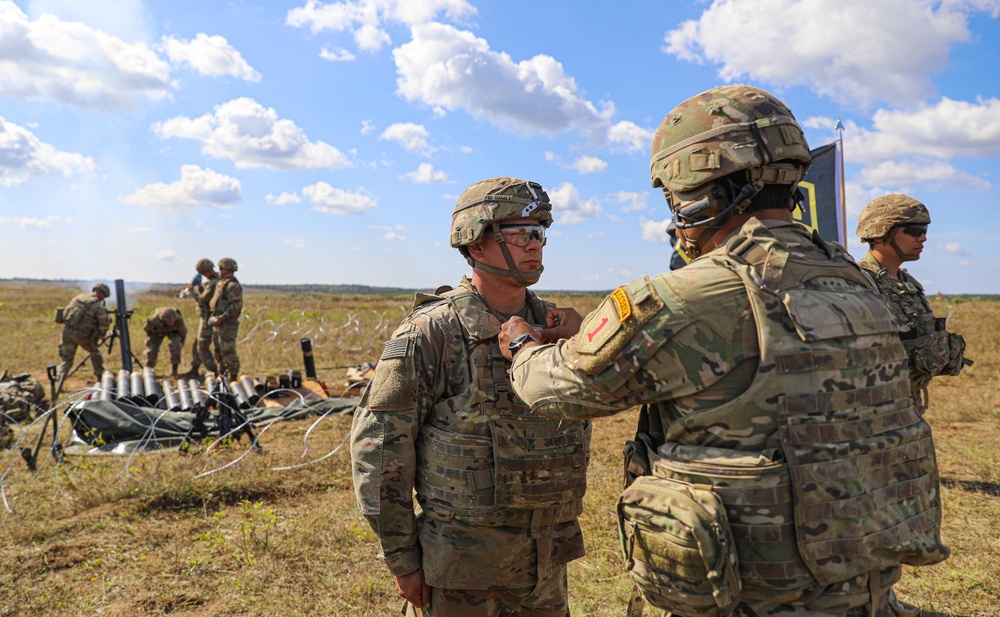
60, 316
678, 547
956, 354
930, 353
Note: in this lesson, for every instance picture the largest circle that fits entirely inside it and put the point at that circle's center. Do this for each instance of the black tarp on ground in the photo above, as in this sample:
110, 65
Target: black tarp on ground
114, 427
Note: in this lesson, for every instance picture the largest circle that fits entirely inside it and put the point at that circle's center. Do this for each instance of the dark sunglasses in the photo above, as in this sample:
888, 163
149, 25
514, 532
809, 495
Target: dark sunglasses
914, 230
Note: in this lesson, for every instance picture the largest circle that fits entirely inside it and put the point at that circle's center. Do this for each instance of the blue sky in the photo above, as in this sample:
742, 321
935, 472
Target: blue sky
327, 142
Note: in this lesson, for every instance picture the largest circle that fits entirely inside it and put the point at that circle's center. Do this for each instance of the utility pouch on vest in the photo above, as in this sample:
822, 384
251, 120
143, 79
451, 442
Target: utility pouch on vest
60, 316
678, 547
537, 467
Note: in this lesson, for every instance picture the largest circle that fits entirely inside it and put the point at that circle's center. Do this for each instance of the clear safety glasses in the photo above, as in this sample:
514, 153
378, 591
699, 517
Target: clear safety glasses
521, 234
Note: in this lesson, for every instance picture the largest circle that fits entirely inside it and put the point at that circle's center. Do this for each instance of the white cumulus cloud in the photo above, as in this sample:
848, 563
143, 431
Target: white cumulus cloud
166, 255
23, 156
569, 209
854, 51
654, 231
590, 165
284, 199
630, 201
196, 187
391, 235
252, 135
425, 174
326, 198
630, 137
210, 55
75, 64
296, 243
336, 54
411, 136
905, 174
365, 18
448, 69
29, 221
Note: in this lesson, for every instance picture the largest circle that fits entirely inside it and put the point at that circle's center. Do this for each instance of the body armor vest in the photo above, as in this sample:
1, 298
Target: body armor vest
845, 481
483, 457
80, 315
908, 303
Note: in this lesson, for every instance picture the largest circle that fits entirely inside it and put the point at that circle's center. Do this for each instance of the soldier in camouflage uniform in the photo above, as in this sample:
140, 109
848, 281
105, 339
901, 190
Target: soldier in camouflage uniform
85, 322
226, 305
201, 348
499, 490
777, 417
165, 321
895, 228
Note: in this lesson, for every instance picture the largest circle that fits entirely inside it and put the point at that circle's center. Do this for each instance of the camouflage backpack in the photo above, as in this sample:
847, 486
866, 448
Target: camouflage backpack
21, 398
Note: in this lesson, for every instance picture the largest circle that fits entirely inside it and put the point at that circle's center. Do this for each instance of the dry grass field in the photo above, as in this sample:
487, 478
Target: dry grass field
121, 535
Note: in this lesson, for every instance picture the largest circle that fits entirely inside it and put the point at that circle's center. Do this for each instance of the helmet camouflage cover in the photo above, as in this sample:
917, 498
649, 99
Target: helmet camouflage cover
204, 265
104, 289
882, 214
497, 199
726, 130
170, 315
228, 263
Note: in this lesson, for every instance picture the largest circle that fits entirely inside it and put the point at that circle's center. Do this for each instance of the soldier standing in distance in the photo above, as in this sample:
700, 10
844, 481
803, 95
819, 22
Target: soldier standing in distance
201, 348
226, 305
499, 489
168, 322
85, 322
895, 229
771, 371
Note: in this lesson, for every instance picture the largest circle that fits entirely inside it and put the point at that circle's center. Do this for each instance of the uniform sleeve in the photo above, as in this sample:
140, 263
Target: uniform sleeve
234, 306
641, 345
182, 327
383, 438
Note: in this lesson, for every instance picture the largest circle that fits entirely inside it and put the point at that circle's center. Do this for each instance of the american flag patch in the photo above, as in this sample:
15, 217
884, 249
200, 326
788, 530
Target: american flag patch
396, 348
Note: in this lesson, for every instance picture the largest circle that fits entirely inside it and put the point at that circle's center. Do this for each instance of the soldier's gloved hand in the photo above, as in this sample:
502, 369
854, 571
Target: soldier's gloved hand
511, 328
561, 323
414, 589
956, 355
214, 320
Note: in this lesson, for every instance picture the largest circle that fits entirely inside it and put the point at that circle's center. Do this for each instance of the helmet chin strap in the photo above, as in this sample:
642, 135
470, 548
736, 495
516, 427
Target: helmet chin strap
525, 277
899, 253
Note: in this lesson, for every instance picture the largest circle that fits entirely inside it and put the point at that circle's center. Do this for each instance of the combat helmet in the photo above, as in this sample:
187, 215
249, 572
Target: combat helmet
170, 315
204, 266
104, 289
484, 204
707, 139
883, 214
228, 263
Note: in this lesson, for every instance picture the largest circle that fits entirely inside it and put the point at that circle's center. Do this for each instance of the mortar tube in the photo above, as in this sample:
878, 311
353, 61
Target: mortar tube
153, 391
184, 393
307, 358
123, 391
171, 403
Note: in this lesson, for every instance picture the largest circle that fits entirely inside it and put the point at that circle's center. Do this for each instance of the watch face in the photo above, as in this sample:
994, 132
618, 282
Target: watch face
518, 342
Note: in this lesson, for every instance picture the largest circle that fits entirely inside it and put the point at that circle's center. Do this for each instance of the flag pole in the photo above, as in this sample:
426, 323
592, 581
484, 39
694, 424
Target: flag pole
843, 192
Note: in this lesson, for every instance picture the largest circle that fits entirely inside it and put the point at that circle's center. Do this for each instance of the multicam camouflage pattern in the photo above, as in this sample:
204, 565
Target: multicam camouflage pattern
201, 348
883, 214
440, 394
725, 130
228, 263
931, 350
227, 305
103, 288
204, 266
546, 599
168, 322
773, 371
86, 321
496, 199
21, 400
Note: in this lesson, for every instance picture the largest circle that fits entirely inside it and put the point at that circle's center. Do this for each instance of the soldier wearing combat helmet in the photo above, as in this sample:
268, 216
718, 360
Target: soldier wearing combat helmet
754, 365
895, 229
168, 322
499, 490
85, 322
226, 306
201, 348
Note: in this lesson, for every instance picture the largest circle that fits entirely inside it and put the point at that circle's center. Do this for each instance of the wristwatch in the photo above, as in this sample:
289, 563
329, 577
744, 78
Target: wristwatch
520, 341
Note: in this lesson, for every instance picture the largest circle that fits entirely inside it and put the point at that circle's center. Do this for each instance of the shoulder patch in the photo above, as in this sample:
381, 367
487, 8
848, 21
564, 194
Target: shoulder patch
396, 348
609, 328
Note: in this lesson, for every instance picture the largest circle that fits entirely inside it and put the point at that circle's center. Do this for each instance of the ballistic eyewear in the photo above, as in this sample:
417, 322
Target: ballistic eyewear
520, 234
914, 230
